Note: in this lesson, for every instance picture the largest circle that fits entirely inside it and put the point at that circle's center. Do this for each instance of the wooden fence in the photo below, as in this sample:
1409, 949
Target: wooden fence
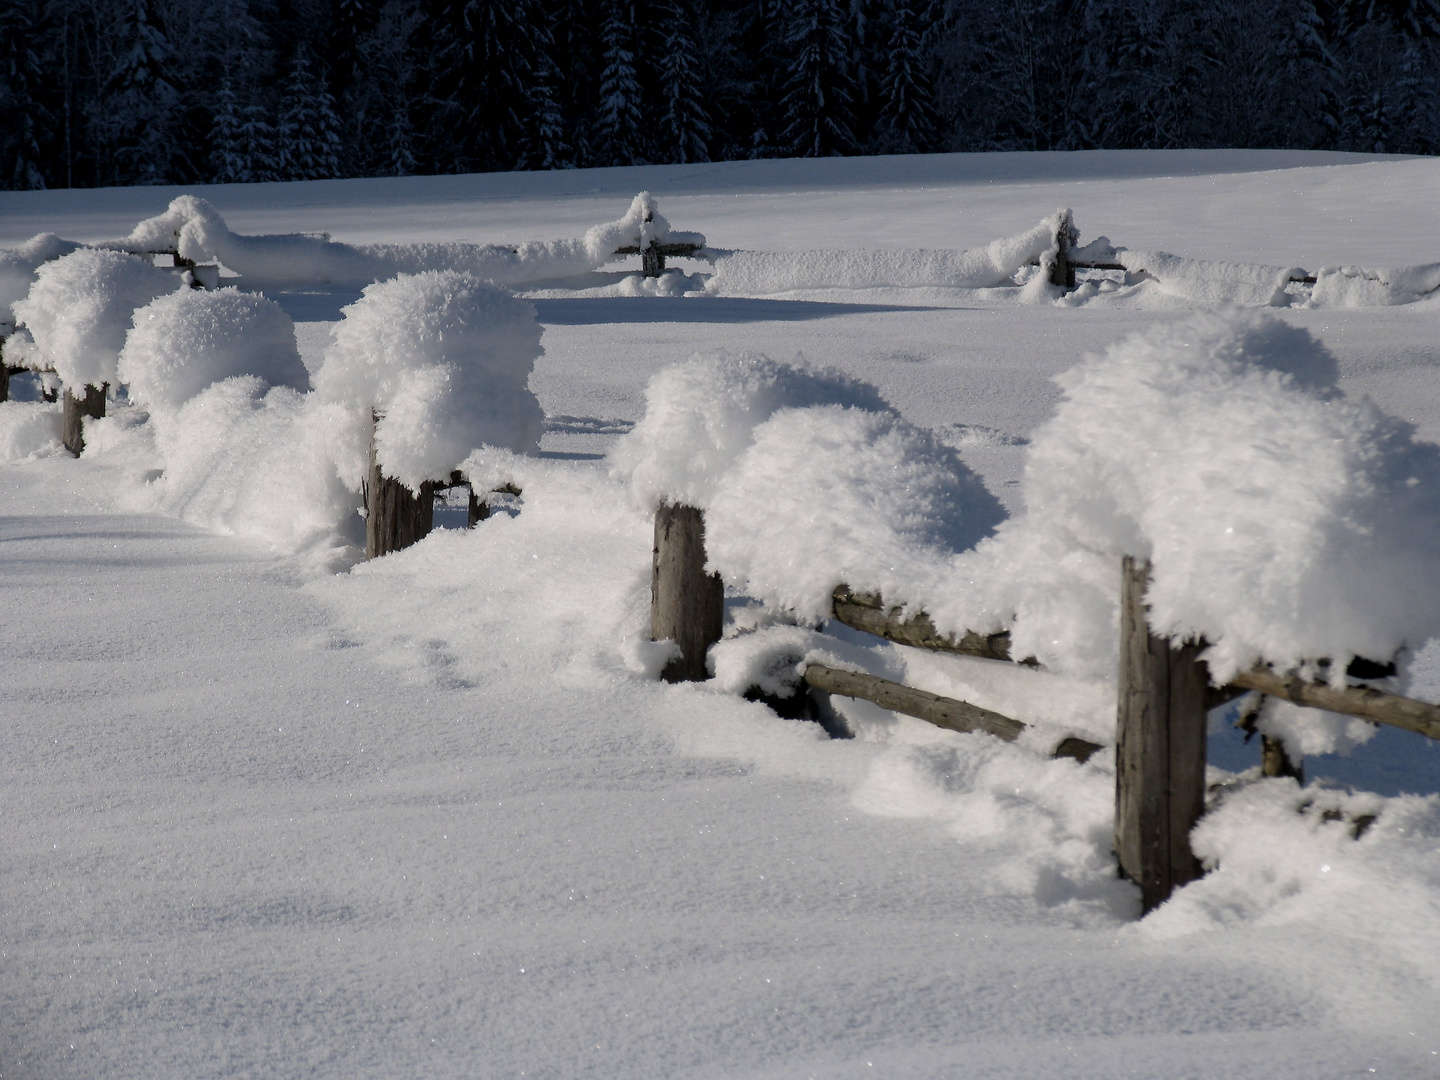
1164, 696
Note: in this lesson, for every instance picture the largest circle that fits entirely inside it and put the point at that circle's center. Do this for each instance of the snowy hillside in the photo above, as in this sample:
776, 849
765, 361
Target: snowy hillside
273, 811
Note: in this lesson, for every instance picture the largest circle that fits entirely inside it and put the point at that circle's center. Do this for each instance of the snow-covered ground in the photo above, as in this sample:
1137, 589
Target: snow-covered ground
428, 816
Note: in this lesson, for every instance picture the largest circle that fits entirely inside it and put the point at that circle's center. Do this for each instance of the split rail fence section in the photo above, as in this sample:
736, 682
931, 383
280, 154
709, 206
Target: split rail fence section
1164, 696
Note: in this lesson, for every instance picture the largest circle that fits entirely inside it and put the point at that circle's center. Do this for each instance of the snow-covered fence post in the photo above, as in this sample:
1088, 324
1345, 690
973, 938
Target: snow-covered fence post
91, 404
1062, 270
1160, 748
687, 605
395, 516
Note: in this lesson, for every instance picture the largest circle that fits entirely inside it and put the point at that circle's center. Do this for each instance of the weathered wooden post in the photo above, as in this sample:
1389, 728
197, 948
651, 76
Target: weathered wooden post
395, 516
687, 605
1062, 271
4, 380
72, 423
1160, 749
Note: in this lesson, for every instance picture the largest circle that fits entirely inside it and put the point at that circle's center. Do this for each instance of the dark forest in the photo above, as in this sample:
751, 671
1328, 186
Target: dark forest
118, 92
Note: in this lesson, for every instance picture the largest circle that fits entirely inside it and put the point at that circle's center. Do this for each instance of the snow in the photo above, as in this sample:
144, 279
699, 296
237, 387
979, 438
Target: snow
757, 273
194, 229
445, 359
829, 495
79, 309
1284, 521
271, 812
182, 342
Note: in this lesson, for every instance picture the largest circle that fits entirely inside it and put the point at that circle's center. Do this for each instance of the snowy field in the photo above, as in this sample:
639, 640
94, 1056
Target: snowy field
272, 813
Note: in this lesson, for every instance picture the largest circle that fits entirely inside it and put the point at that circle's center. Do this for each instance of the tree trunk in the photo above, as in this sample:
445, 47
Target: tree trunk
72, 424
1160, 749
687, 605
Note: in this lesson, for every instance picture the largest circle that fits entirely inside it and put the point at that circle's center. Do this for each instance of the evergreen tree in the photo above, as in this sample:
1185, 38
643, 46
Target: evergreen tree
227, 139
908, 122
381, 98
498, 59
687, 123
138, 107
544, 144
22, 111
818, 96
307, 137
619, 127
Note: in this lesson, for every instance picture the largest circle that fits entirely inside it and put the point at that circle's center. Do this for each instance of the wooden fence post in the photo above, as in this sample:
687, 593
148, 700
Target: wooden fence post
687, 605
72, 423
1062, 273
4, 380
1160, 749
395, 517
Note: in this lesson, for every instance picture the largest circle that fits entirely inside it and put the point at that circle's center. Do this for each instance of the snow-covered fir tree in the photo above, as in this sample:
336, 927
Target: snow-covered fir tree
307, 135
138, 107
22, 108
908, 122
817, 106
619, 127
544, 144
686, 125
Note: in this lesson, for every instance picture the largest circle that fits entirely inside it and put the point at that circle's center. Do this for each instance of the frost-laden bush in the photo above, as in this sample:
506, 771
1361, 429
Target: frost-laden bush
1283, 521
446, 358
79, 310
185, 341
808, 480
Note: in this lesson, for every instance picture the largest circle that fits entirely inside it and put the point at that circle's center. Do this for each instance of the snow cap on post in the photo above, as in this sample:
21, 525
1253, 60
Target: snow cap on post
17, 271
446, 358
185, 341
79, 311
701, 415
829, 495
1282, 521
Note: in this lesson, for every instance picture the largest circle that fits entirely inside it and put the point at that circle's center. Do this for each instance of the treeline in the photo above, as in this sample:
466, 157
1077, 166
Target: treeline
101, 92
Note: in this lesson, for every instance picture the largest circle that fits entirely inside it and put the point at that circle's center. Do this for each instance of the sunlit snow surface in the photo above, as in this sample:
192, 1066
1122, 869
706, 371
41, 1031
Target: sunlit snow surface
428, 817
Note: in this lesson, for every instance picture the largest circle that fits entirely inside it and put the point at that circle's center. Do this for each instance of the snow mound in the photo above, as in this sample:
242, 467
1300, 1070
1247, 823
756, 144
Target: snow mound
829, 495
1212, 284
79, 310
1283, 521
1359, 286
194, 228
245, 458
28, 429
186, 340
446, 358
701, 416
758, 273
17, 271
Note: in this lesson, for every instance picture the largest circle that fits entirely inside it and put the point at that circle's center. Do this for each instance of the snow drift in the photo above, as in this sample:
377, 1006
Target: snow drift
757, 273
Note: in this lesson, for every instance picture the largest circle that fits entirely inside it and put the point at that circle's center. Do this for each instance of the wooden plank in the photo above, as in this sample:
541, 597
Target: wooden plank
1160, 749
687, 605
1363, 701
943, 712
868, 612
74, 412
